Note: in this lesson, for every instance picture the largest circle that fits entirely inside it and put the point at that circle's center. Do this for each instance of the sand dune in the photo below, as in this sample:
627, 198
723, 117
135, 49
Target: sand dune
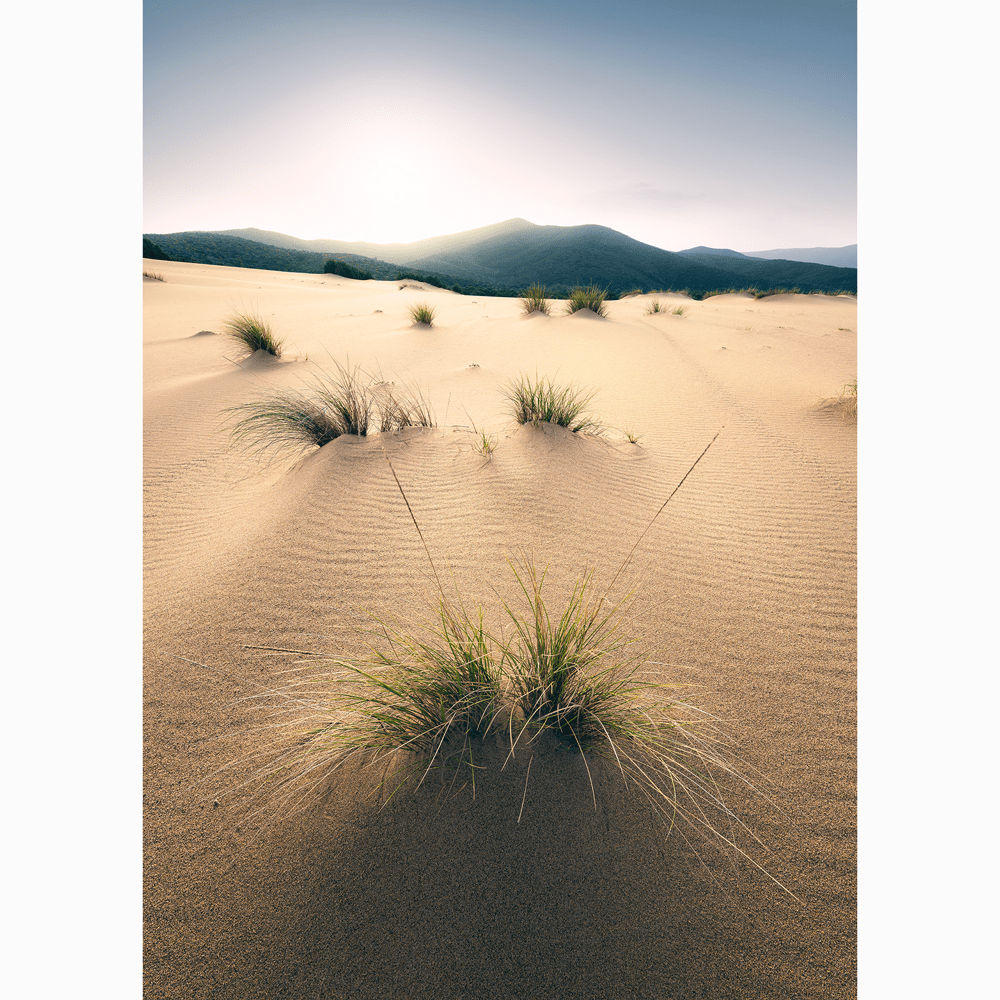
745, 587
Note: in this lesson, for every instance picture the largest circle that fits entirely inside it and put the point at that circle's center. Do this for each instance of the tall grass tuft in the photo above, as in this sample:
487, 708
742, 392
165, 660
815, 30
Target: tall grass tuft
325, 409
252, 332
540, 401
425, 699
422, 312
591, 298
535, 301
295, 420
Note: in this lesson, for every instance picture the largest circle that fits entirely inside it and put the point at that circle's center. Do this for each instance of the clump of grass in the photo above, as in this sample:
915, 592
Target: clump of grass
422, 312
591, 298
763, 294
421, 699
327, 408
295, 420
252, 332
484, 444
634, 291
397, 410
153, 275
632, 437
540, 401
846, 401
656, 307
535, 301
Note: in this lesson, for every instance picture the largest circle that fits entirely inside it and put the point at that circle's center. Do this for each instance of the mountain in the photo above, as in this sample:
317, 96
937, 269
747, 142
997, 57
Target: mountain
712, 251
232, 251
834, 256
507, 257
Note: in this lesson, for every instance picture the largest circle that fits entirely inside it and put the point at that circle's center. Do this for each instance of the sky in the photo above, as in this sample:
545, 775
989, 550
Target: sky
726, 124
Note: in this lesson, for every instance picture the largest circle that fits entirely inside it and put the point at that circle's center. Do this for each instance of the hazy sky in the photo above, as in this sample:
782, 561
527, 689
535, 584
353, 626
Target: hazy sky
726, 123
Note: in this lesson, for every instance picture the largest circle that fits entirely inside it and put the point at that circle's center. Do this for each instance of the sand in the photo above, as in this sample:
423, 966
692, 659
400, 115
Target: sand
745, 589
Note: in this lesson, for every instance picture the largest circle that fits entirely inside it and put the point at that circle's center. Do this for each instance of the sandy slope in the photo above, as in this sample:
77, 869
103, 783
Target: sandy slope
746, 587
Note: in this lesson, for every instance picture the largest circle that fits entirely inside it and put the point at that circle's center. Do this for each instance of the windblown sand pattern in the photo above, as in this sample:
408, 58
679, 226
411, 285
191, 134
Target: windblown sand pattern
745, 588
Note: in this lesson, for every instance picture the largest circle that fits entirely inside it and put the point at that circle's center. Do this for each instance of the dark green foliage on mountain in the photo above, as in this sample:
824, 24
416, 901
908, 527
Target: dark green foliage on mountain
345, 270
151, 251
566, 257
506, 258
232, 251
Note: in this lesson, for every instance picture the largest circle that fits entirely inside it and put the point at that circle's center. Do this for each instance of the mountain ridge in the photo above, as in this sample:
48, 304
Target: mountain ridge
506, 257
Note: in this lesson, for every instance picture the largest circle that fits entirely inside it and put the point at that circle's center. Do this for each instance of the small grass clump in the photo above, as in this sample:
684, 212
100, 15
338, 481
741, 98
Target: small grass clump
153, 275
252, 332
482, 443
766, 293
591, 298
845, 402
540, 401
535, 300
656, 306
422, 312
397, 410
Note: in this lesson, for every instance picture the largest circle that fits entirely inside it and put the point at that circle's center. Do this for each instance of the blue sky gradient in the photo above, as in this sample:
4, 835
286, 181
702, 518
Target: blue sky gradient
731, 124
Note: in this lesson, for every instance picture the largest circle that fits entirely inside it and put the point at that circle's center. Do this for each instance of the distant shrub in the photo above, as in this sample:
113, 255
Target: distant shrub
421, 312
591, 298
535, 301
346, 270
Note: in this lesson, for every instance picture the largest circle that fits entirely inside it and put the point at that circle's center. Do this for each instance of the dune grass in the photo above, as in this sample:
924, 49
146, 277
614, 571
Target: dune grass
425, 700
422, 312
591, 298
253, 332
293, 420
656, 306
847, 399
540, 401
845, 402
330, 406
397, 409
153, 275
535, 300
